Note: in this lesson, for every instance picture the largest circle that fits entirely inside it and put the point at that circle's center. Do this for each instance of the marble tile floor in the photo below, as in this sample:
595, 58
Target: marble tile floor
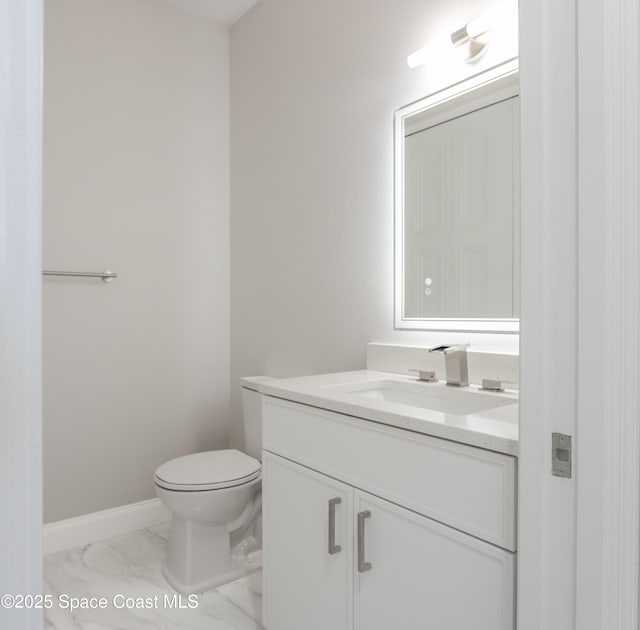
128, 566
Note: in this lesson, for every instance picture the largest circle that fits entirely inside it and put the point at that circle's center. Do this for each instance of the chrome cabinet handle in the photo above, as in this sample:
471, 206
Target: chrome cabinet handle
333, 548
362, 565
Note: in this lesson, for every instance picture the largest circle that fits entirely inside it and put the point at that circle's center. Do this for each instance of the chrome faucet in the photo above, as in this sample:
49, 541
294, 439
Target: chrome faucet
455, 363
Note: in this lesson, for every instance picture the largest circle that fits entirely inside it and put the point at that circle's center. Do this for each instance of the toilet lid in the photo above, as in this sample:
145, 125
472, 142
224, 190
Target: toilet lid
208, 471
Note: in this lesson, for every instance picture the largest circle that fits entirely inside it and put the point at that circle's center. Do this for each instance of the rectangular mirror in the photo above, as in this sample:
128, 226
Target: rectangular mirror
457, 207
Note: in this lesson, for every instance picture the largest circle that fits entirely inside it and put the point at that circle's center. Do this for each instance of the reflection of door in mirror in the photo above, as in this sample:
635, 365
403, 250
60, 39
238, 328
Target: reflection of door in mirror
461, 223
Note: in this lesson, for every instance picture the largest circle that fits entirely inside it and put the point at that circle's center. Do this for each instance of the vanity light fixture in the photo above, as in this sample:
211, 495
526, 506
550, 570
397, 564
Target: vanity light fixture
472, 40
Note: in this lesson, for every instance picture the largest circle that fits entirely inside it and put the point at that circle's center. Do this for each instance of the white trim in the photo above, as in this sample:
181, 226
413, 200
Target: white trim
88, 528
578, 539
20, 310
546, 526
609, 289
499, 78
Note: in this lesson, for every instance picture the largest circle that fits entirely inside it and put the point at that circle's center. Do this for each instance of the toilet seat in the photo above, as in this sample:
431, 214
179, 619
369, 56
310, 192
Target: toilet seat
211, 470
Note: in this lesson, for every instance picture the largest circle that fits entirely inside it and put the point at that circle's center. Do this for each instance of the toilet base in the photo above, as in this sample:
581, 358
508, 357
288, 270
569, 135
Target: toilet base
211, 583
201, 557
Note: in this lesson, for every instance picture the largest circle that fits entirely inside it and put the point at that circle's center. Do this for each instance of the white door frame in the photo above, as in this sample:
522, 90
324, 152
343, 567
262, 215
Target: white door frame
548, 341
608, 486
20, 306
578, 538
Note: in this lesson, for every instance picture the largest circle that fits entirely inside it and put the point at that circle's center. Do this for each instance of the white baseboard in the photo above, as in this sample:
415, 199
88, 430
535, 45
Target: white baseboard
82, 530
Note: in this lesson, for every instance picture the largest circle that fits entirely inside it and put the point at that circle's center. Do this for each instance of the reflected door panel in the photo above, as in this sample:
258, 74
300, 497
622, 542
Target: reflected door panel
460, 209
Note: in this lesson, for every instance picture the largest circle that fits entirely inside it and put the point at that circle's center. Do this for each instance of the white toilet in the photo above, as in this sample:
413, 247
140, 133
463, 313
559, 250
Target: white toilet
215, 501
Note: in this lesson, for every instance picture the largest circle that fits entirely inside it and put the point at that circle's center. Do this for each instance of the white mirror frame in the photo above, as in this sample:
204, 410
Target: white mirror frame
505, 71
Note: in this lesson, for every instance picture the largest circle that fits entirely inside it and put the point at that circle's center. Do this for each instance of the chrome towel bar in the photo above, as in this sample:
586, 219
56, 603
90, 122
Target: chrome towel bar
107, 276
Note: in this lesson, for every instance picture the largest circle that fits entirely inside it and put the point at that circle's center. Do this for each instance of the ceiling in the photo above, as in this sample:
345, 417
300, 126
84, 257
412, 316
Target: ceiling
225, 11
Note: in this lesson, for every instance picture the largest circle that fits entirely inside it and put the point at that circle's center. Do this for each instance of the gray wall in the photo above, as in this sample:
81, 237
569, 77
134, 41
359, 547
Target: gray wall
313, 88
136, 173
137, 178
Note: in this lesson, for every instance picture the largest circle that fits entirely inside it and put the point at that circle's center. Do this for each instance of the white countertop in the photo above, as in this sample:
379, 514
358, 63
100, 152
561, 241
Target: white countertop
495, 429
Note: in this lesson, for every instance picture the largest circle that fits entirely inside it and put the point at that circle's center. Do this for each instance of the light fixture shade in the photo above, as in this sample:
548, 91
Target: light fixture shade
417, 58
480, 25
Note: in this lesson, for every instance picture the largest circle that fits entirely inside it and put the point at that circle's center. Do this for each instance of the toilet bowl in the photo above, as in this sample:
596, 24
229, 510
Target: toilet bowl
215, 501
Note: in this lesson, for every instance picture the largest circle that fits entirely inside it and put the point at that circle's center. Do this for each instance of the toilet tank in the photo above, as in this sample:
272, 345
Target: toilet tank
252, 419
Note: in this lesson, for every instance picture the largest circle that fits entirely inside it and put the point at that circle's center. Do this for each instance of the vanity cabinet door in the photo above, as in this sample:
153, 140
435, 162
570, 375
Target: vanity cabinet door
308, 582
414, 573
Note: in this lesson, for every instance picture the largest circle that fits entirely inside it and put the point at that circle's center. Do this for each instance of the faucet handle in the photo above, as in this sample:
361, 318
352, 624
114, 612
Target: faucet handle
428, 376
494, 385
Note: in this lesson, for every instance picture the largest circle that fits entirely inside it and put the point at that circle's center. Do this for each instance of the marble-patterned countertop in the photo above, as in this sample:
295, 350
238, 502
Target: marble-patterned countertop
495, 429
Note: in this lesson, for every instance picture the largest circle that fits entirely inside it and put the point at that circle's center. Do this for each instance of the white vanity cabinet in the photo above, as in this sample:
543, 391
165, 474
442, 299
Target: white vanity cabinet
307, 586
426, 575
345, 548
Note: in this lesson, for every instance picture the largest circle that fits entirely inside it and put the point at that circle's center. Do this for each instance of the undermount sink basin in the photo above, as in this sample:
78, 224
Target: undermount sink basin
433, 396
